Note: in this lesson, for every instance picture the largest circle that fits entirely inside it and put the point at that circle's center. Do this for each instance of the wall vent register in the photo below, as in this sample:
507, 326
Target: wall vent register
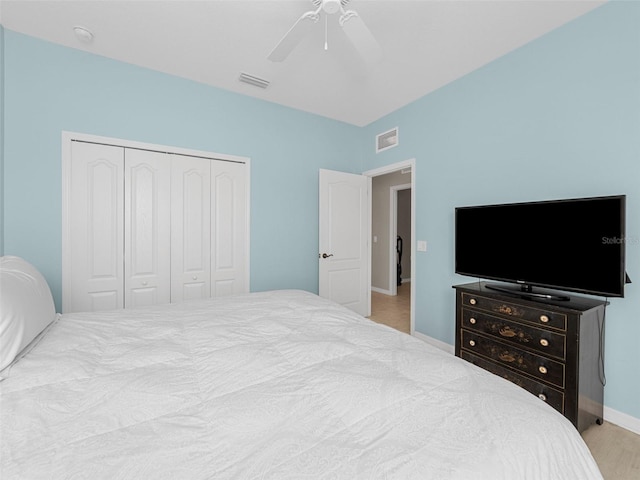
386, 140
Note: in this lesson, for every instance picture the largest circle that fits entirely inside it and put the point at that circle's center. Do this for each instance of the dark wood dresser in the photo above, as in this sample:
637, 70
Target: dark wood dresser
549, 347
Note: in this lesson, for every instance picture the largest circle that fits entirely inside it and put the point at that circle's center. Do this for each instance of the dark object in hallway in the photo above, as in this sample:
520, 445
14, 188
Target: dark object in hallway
399, 267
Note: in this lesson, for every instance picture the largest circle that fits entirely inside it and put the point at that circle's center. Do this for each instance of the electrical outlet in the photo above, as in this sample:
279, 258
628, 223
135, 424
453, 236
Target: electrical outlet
422, 245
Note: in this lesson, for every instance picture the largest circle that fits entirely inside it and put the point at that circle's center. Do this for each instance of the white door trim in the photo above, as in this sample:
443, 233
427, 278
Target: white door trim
69, 137
394, 167
393, 233
119, 142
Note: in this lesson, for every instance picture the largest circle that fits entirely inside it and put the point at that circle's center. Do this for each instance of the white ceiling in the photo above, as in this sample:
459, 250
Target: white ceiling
426, 44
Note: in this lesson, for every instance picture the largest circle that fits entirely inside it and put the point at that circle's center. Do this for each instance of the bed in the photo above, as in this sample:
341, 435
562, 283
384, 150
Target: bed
270, 385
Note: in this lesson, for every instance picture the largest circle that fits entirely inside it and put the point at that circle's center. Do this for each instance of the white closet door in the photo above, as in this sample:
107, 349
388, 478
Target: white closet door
190, 228
141, 226
94, 254
147, 232
228, 228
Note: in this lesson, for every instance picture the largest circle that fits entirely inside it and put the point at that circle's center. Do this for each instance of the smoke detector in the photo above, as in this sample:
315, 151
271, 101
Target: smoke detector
83, 34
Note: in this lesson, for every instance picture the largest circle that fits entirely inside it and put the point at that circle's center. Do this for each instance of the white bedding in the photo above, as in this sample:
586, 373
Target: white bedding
288, 386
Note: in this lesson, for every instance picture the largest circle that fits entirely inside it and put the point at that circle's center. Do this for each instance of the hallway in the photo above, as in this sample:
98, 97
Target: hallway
393, 311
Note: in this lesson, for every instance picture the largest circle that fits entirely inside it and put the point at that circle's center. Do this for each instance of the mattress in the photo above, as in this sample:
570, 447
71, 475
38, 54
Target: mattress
270, 385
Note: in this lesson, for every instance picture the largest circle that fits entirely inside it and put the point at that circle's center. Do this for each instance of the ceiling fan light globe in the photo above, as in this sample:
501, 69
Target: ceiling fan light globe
331, 6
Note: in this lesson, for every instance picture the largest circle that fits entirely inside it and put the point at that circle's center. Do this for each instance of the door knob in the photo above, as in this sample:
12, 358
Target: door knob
324, 255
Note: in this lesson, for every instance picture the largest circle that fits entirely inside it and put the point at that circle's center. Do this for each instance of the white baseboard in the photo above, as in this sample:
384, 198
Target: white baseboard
610, 415
380, 290
436, 343
388, 292
622, 420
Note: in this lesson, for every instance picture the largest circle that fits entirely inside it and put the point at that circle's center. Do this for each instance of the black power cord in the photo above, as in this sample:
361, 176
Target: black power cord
601, 328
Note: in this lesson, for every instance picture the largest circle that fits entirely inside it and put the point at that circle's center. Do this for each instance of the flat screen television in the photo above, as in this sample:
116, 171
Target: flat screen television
575, 245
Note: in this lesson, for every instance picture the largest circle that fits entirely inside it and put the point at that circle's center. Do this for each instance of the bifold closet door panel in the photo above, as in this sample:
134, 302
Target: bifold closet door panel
147, 231
190, 228
228, 228
94, 250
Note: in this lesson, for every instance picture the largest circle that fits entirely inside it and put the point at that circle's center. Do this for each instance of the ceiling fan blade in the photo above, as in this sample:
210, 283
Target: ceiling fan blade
296, 33
361, 37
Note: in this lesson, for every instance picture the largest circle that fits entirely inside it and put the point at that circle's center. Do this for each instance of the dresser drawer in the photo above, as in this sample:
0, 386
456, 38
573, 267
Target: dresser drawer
537, 316
550, 395
544, 341
537, 366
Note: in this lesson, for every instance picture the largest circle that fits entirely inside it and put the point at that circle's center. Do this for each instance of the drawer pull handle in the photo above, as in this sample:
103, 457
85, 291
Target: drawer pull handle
472, 301
544, 342
544, 319
507, 357
472, 321
195, 277
542, 369
507, 332
542, 397
144, 283
472, 343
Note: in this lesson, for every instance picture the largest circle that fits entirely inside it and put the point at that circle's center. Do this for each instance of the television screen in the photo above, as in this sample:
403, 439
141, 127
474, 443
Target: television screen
576, 244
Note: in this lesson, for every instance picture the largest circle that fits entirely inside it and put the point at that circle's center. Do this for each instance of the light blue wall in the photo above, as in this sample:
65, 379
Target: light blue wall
558, 118
51, 88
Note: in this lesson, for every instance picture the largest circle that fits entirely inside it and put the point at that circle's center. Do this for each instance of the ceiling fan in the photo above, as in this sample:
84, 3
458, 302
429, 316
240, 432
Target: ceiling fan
355, 29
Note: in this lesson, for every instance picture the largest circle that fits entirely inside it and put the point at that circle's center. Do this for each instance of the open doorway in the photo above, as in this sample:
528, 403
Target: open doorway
392, 240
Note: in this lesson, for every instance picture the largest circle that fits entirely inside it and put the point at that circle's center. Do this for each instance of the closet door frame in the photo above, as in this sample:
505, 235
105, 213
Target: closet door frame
67, 141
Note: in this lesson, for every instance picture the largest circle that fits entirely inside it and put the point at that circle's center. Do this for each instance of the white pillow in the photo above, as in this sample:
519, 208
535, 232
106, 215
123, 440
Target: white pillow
26, 306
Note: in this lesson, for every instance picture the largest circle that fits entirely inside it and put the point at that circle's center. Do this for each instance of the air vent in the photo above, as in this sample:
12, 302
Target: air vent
386, 140
255, 81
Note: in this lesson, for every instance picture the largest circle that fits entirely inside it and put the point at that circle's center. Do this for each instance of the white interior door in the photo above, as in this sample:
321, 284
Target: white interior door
147, 232
190, 228
146, 224
93, 257
344, 232
229, 255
